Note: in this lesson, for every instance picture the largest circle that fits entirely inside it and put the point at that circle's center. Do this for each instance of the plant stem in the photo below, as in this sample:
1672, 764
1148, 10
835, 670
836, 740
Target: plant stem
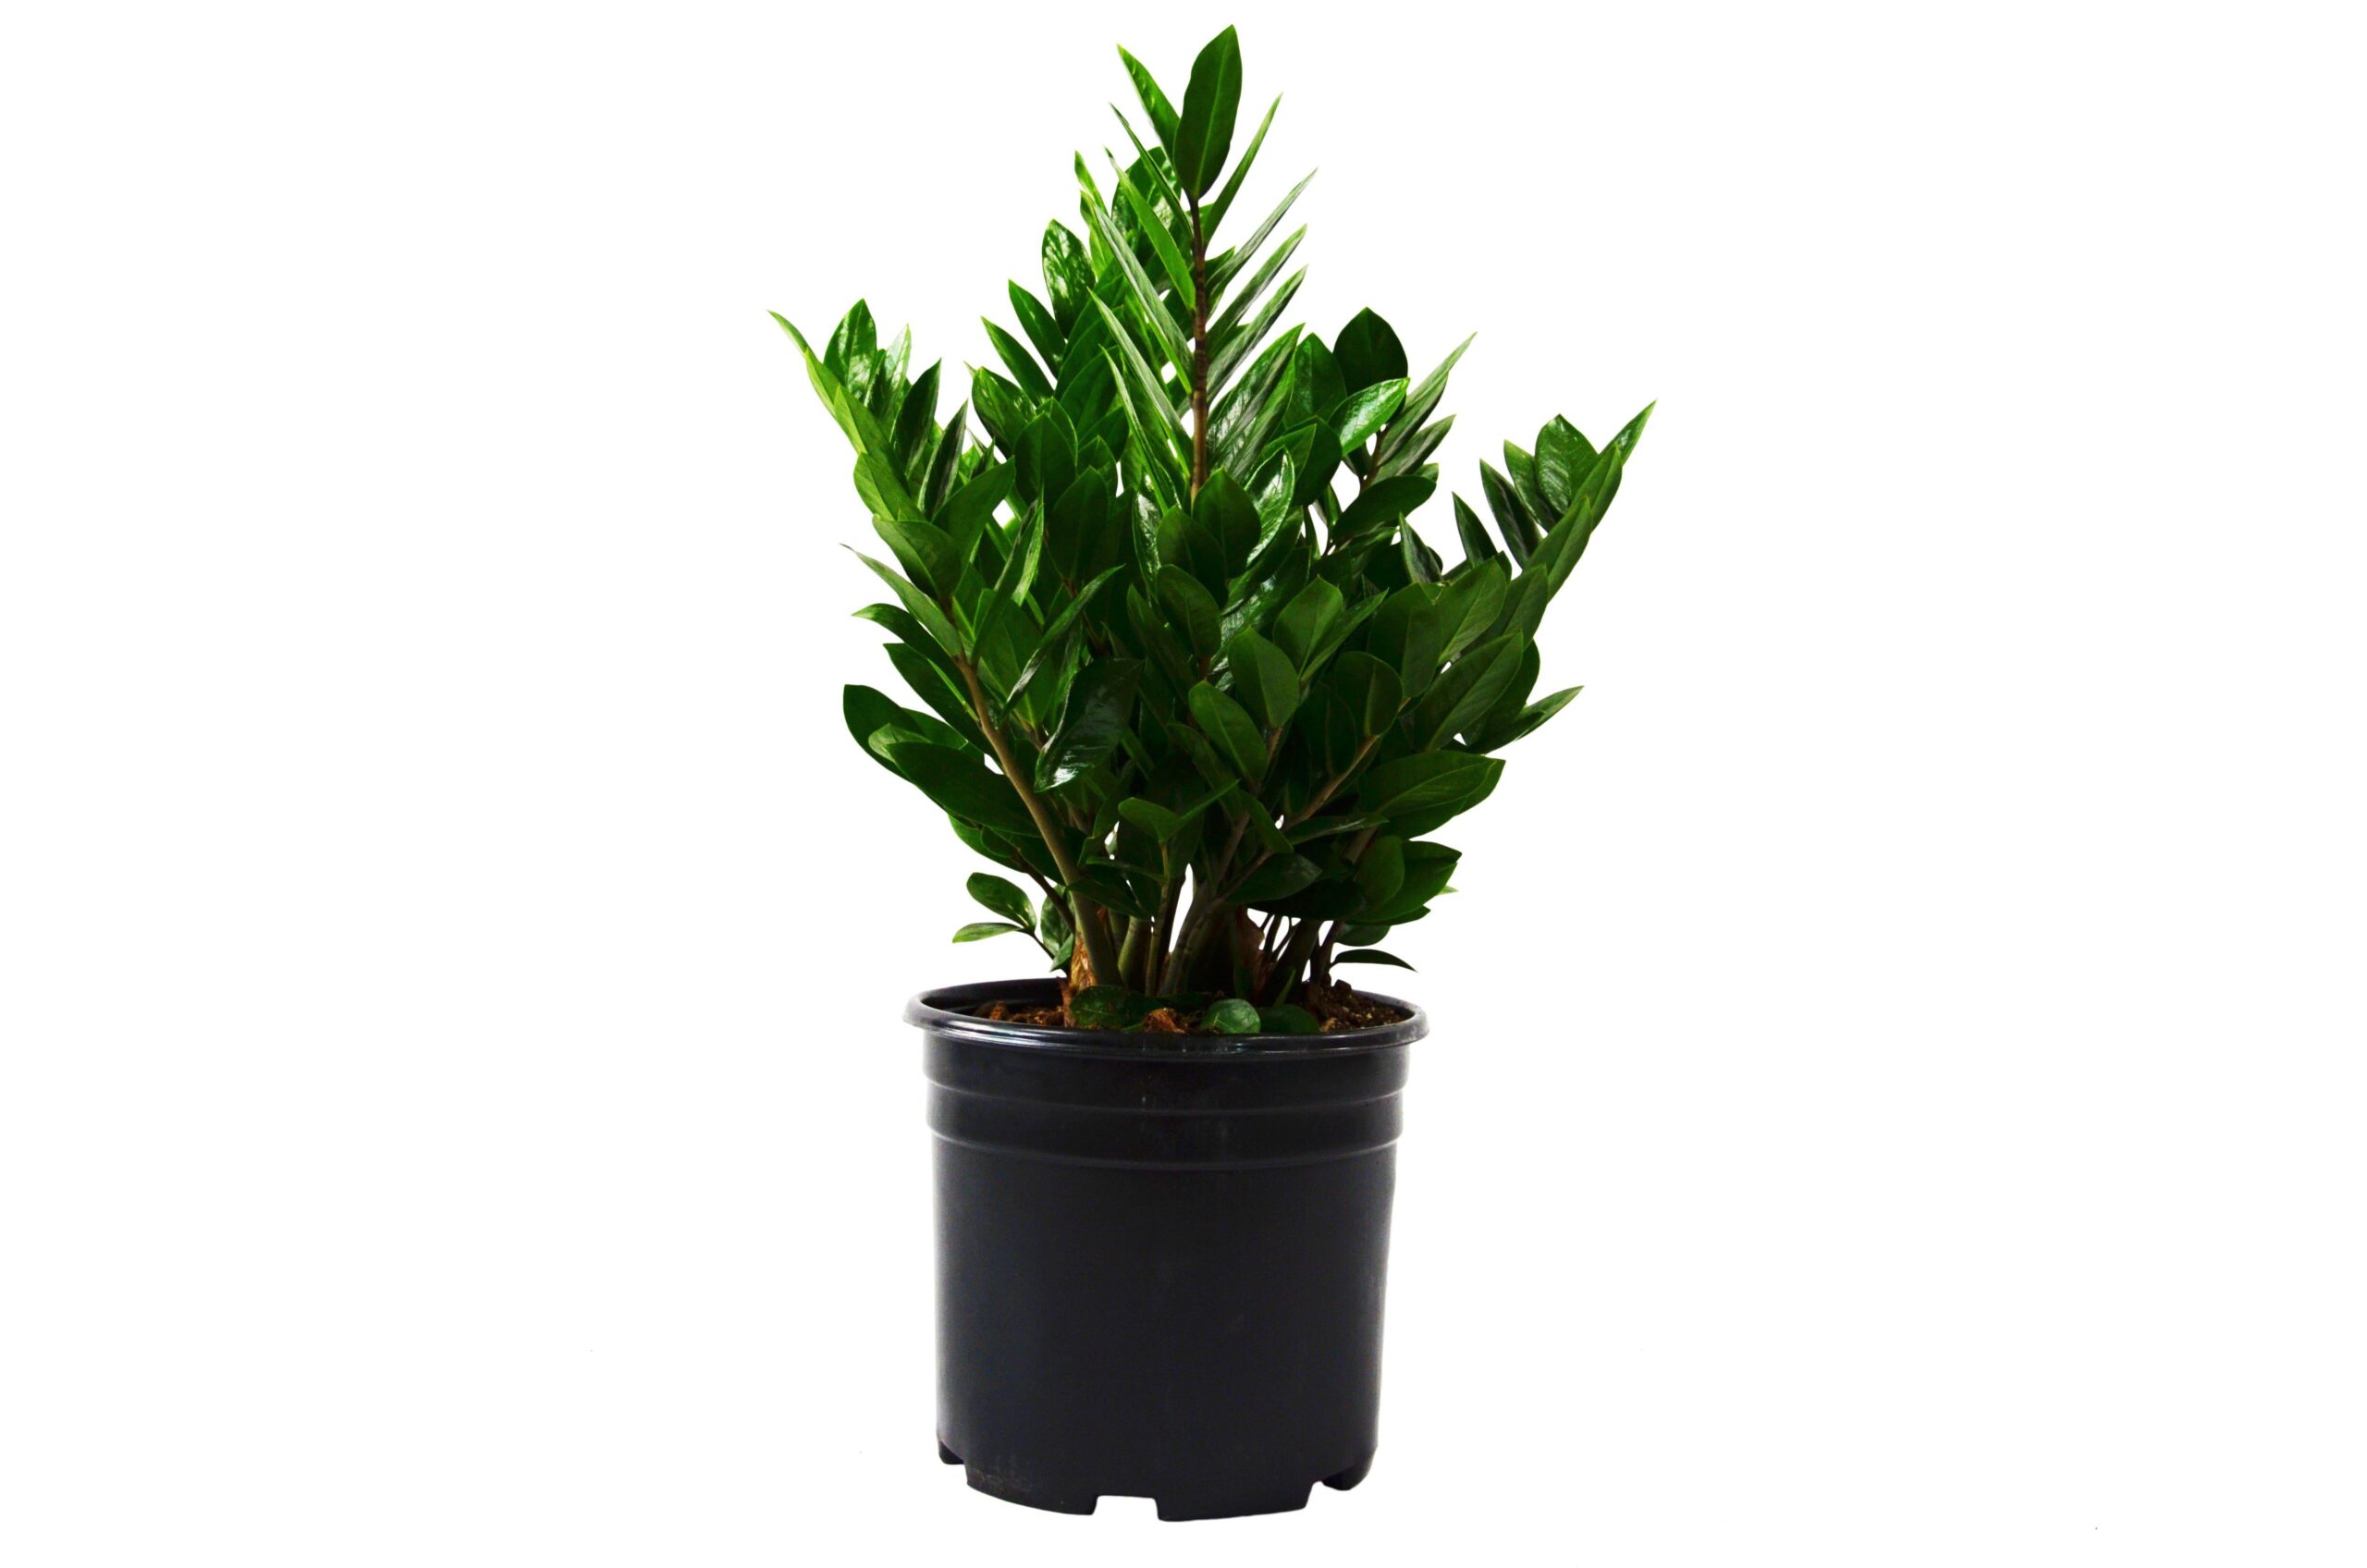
1091, 933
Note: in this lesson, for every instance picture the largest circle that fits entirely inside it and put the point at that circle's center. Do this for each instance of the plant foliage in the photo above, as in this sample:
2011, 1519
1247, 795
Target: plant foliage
1181, 660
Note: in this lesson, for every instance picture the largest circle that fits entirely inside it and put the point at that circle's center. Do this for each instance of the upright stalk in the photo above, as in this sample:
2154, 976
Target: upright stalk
1101, 959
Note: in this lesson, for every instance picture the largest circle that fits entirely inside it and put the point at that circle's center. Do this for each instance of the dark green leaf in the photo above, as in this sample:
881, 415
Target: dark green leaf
1427, 782
1037, 322
1468, 689
1230, 729
1476, 545
1369, 353
1067, 276
1277, 878
1365, 411
1306, 620
1100, 701
1232, 1016
963, 784
1162, 244
1371, 689
1003, 898
1369, 955
1264, 679
1203, 134
1564, 457
1191, 608
1287, 1019
1215, 211
1109, 1007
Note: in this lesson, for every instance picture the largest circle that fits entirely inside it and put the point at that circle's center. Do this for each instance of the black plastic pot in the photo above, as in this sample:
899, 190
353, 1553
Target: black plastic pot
1159, 1261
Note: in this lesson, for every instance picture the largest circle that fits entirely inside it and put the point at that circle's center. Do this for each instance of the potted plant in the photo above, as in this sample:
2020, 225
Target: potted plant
1184, 666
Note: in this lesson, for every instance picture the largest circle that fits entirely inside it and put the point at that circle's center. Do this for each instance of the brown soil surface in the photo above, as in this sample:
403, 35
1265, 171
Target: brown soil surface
1340, 1006
1336, 1007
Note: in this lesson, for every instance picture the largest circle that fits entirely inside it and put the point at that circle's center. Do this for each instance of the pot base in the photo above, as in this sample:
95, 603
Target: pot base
1060, 1498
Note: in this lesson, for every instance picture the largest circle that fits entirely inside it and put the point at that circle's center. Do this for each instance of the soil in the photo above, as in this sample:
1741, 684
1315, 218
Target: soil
1336, 1007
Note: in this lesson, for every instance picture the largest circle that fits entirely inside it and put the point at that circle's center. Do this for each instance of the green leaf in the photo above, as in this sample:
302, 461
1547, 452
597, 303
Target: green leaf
1067, 276
1162, 244
978, 931
1143, 294
1564, 458
1371, 689
1224, 508
1303, 623
870, 712
1229, 728
1161, 824
1100, 701
1222, 272
1471, 604
1191, 607
961, 782
1275, 879
1264, 679
924, 550
1204, 132
1468, 689
923, 608
1421, 400
1369, 353
1366, 411
1369, 955
1004, 898
915, 427
1214, 212
945, 465
1513, 525
1109, 1007
1047, 646
1476, 545
1525, 722
1287, 1019
1232, 1016
1037, 322
1383, 505
969, 509
1155, 104
1024, 368
1428, 782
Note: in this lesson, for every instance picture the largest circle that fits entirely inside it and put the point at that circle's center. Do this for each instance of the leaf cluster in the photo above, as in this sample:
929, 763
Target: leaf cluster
1181, 660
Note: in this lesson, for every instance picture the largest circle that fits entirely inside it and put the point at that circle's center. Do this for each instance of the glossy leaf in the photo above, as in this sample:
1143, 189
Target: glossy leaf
1366, 411
1368, 352
1003, 897
1203, 134
1232, 1016
1155, 104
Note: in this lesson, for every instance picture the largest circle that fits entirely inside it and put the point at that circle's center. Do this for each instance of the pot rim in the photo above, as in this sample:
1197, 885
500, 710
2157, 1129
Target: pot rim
942, 1009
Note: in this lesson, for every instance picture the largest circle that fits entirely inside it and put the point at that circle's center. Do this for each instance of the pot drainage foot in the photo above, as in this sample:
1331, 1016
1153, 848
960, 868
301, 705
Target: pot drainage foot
1284, 1502
947, 1454
1052, 1499
1351, 1476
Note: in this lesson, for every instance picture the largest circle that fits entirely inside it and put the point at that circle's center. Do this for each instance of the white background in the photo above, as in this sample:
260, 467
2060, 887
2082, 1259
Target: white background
1897, 1087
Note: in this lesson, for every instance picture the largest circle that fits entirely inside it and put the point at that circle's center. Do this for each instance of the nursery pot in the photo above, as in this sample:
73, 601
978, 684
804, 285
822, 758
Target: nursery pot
1160, 1258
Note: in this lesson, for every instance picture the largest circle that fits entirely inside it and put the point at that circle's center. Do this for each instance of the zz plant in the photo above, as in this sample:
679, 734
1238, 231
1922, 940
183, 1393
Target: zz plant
1183, 662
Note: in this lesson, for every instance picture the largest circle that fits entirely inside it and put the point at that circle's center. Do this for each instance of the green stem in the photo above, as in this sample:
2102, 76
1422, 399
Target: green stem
1083, 914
